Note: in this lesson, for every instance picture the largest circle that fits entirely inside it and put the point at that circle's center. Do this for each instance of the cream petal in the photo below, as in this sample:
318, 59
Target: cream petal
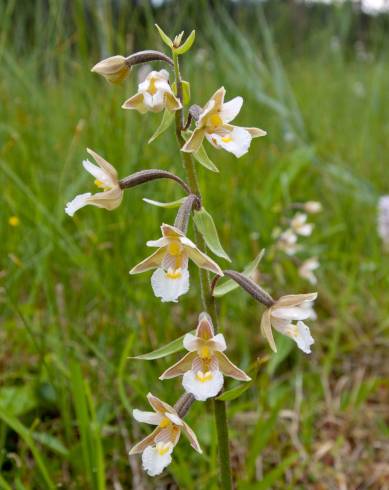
192, 438
180, 367
266, 329
305, 230
203, 261
158, 405
202, 390
151, 418
219, 342
295, 299
161, 242
236, 141
147, 441
77, 203
168, 288
229, 369
194, 142
154, 103
231, 109
218, 98
169, 231
151, 262
174, 418
136, 102
172, 103
205, 328
105, 166
98, 173
256, 132
300, 333
154, 462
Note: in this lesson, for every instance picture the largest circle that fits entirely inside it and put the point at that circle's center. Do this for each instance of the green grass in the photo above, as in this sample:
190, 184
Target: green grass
70, 313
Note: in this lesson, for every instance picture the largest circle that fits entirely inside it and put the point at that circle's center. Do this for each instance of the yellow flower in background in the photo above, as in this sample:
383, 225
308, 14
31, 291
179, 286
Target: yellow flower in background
14, 221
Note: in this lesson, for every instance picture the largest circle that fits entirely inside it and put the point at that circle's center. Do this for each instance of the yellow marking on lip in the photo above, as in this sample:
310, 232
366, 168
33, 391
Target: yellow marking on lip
204, 352
101, 185
152, 88
165, 422
227, 139
204, 377
163, 448
174, 274
215, 120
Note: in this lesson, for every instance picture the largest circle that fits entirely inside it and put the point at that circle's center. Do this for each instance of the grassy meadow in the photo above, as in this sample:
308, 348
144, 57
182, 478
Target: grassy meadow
70, 314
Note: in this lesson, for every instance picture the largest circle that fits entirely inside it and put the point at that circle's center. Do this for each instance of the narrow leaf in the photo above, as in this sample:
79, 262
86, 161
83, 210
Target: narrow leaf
187, 44
166, 350
167, 119
206, 226
235, 392
165, 38
225, 287
167, 205
201, 156
51, 442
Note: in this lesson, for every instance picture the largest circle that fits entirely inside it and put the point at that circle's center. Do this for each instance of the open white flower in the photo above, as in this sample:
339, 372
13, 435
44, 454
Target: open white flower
300, 226
106, 178
154, 95
204, 365
157, 447
213, 124
286, 317
171, 278
287, 242
307, 268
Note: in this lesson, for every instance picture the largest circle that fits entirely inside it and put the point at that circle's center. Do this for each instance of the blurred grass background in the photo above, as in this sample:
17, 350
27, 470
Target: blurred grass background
316, 79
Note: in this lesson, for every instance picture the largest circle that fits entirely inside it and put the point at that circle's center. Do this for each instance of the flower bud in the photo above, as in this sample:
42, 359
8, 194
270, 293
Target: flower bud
113, 69
313, 207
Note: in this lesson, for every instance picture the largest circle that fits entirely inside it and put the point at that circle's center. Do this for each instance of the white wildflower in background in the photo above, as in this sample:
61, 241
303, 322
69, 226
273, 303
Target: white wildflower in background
157, 447
213, 124
107, 179
154, 95
307, 268
286, 317
204, 365
287, 242
113, 69
171, 278
300, 226
313, 207
383, 220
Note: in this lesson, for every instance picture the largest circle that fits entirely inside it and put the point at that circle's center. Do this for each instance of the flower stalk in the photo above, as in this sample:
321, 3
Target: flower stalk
220, 412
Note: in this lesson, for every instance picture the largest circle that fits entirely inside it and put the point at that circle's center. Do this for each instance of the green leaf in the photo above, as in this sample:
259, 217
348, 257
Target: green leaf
18, 400
165, 38
272, 477
167, 205
166, 350
229, 285
187, 44
201, 156
51, 442
167, 119
234, 393
206, 226
185, 92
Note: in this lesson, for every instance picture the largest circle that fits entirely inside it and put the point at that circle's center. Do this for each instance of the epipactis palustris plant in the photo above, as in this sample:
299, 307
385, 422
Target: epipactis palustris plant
205, 365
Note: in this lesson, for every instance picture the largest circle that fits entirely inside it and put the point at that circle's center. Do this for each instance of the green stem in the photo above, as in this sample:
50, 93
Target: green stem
206, 297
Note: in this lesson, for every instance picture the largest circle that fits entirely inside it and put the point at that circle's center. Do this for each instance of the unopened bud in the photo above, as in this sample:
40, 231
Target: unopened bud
113, 69
313, 207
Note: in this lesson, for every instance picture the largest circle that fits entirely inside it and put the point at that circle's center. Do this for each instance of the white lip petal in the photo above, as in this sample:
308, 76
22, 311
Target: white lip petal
153, 462
237, 141
77, 203
303, 339
202, 390
169, 289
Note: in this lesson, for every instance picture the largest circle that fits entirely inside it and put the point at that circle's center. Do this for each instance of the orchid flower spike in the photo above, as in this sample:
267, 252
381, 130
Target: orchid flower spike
154, 95
300, 226
106, 178
157, 447
282, 316
213, 123
204, 365
307, 268
171, 278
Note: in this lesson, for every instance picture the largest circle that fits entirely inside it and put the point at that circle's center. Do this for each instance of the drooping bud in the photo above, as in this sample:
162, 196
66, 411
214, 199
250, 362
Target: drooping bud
114, 69
313, 207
